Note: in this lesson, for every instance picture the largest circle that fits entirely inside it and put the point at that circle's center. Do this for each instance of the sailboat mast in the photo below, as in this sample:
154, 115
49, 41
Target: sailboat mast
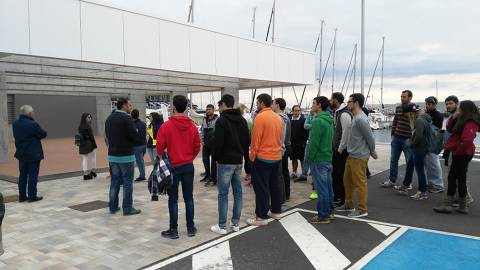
253, 22
383, 58
334, 51
273, 22
362, 71
321, 54
355, 68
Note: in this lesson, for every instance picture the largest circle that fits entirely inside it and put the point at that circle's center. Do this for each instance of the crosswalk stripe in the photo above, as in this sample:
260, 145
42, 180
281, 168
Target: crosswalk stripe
386, 230
215, 258
320, 252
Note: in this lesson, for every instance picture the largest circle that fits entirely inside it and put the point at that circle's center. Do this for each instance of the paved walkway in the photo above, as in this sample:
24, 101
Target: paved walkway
50, 235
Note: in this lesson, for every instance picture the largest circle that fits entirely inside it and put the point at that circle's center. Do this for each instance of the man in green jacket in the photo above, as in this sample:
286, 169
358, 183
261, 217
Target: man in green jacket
320, 157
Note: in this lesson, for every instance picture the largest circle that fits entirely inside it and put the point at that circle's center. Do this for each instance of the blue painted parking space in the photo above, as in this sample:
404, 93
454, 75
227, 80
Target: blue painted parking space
417, 249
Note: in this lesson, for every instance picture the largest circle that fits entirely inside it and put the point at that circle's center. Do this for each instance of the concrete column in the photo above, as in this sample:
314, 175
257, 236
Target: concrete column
174, 93
139, 103
231, 91
3, 120
104, 109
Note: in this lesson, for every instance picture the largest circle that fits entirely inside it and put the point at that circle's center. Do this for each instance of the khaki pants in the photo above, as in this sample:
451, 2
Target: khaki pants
355, 179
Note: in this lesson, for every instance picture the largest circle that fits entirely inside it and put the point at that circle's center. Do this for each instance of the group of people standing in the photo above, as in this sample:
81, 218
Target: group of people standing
412, 131
334, 140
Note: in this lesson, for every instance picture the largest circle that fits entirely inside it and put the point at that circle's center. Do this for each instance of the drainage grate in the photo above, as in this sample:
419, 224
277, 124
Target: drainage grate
90, 206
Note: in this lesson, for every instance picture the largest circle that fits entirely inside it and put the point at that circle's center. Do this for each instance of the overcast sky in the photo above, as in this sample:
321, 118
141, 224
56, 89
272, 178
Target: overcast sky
426, 40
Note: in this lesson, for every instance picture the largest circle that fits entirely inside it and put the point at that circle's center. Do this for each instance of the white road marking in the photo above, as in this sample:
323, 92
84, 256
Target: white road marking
215, 258
208, 245
397, 225
320, 252
386, 230
377, 250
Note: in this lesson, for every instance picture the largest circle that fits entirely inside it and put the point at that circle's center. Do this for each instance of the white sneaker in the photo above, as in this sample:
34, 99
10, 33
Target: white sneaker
217, 229
235, 227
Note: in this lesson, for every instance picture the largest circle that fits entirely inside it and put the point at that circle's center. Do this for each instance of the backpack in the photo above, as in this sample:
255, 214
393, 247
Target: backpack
434, 140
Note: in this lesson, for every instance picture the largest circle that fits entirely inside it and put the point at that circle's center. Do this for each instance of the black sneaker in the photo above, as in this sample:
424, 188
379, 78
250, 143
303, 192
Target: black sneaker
23, 200
93, 174
87, 177
209, 183
171, 234
154, 198
300, 179
191, 231
205, 179
35, 199
139, 179
132, 212
115, 211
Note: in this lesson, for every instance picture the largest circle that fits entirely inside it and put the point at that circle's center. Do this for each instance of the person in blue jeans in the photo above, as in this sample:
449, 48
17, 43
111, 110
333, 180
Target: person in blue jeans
320, 157
29, 152
140, 146
121, 134
232, 140
419, 148
180, 138
402, 128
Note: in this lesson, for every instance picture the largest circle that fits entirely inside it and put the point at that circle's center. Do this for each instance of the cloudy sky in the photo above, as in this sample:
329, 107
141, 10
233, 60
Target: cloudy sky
426, 41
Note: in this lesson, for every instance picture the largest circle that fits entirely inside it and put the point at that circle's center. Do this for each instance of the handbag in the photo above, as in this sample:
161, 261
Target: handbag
164, 172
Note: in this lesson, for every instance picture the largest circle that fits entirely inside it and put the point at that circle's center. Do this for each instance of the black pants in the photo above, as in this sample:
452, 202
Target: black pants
266, 186
458, 175
210, 166
286, 176
339, 161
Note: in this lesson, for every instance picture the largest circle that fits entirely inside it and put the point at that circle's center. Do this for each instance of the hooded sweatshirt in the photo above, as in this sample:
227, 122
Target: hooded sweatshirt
266, 136
321, 138
286, 132
421, 132
179, 136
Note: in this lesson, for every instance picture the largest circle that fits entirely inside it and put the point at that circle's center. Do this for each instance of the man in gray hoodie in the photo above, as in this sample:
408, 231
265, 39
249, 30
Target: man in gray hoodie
419, 146
278, 106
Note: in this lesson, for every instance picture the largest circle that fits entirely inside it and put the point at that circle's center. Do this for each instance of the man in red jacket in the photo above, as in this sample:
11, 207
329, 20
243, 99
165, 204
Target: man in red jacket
179, 137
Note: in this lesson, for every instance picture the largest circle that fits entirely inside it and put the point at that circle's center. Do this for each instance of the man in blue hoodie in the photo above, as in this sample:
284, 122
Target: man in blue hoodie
29, 152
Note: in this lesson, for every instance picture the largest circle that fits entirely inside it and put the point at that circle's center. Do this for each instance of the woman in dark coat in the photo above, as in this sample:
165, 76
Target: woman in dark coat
88, 146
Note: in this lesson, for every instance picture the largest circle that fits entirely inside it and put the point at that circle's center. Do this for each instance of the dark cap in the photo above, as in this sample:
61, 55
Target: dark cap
432, 100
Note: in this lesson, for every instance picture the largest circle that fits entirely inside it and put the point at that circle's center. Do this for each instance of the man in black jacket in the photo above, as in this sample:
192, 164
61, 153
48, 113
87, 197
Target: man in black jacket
232, 141
140, 146
206, 131
121, 134
29, 152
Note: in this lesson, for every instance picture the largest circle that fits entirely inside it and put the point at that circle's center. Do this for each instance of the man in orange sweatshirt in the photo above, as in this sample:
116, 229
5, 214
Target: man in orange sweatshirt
266, 154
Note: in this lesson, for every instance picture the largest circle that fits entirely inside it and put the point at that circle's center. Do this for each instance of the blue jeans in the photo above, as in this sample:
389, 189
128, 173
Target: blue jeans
229, 173
322, 177
139, 154
306, 163
399, 145
152, 152
433, 170
419, 165
122, 174
185, 175
28, 174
